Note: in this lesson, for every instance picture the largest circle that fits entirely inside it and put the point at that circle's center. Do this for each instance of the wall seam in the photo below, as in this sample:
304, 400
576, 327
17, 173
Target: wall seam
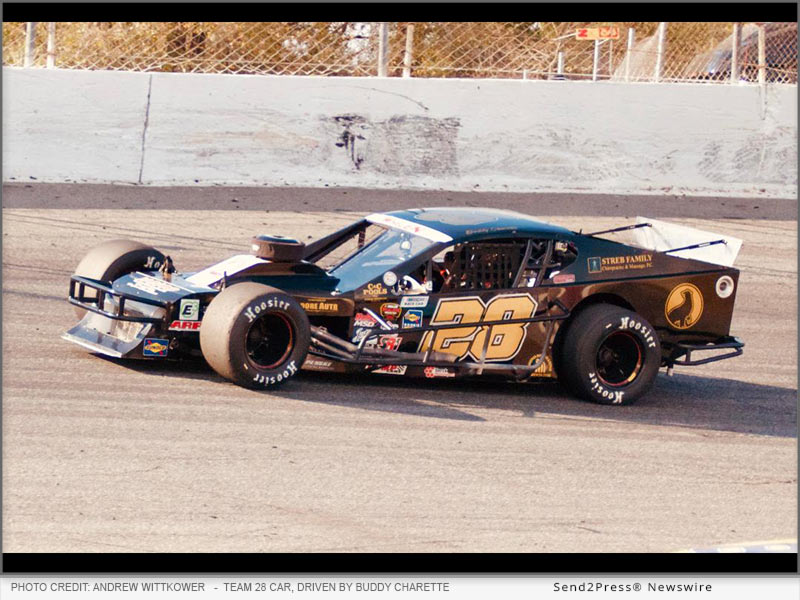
144, 129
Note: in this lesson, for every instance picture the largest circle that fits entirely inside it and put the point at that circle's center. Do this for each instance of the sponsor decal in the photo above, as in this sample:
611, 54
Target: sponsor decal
412, 319
391, 370
257, 308
390, 311
562, 278
414, 301
387, 342
320, 306
604, 264
375, 289
545, 369
364, 320
359, 334
431, 372
318, 363
151, 285
155, 347
185, 326
684, 306
190, 310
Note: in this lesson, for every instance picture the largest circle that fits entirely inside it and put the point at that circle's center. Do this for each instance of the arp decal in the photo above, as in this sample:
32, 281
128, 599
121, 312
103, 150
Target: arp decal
190, 310
414, 301
185, 325
390, 311
504, 341
684, 306
412, 319
155, 347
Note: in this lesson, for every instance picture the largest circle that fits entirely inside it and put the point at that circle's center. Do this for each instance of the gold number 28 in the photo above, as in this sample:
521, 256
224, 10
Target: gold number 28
505, 341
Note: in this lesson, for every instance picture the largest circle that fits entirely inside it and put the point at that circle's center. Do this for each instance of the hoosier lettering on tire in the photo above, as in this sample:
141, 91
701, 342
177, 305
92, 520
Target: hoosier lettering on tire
255, 335
610, 355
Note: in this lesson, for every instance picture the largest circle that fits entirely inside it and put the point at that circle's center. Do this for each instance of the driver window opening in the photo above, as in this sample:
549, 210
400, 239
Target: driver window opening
478, 266
551, 262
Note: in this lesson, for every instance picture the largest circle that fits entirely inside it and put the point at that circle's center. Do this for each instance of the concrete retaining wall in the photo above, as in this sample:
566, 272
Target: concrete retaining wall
164, 129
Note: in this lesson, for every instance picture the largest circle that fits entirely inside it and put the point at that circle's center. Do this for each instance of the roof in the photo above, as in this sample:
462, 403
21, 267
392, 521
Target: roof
463, 224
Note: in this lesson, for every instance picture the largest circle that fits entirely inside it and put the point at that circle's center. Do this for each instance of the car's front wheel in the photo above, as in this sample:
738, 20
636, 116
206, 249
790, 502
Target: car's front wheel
113, 259
610, 355
255, 335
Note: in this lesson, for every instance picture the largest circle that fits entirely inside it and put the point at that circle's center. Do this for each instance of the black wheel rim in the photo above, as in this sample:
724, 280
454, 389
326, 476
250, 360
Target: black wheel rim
619, 359
269, 340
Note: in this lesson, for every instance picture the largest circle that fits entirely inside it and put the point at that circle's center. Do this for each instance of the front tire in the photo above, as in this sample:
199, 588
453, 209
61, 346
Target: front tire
255, 335
115, 258
610, 355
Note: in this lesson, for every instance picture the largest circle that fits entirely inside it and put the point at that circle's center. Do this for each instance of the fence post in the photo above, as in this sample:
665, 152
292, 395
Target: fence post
51, 45
762, 54
737, 42
596, 59
30, 44
662, 34
407, 58
560, 67
628, 51
383, 38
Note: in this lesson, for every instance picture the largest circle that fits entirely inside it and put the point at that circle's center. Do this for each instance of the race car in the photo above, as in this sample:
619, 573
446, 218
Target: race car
434, 293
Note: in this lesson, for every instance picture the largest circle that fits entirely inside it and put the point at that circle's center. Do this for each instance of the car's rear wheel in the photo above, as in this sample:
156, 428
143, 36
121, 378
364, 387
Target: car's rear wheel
255, 335
115, 258
609, 355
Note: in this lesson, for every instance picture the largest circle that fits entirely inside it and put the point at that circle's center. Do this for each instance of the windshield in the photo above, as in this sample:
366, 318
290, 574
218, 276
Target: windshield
387, 250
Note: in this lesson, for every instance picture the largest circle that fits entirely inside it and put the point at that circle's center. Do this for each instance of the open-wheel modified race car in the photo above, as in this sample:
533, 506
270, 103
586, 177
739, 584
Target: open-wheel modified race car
439, 292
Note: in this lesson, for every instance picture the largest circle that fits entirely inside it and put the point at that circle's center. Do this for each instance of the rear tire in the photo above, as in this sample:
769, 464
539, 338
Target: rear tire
255, 335
115, 258
610, 355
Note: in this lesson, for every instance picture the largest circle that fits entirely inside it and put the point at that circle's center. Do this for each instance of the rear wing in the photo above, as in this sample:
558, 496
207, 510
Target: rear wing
686, 242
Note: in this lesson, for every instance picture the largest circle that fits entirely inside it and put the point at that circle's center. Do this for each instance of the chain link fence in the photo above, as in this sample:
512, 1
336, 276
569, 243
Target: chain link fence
667, 52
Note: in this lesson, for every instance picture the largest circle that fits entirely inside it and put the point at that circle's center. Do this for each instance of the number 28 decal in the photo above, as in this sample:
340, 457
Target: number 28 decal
505, 341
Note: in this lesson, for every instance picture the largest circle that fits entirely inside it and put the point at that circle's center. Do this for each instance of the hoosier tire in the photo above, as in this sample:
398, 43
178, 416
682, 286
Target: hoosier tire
255, 335
115, 258
610, 355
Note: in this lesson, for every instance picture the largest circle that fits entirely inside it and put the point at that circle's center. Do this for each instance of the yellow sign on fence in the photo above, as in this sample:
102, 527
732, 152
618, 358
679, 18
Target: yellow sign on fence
597, 33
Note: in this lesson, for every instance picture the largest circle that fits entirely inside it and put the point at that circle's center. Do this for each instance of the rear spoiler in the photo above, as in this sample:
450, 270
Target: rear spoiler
681, 241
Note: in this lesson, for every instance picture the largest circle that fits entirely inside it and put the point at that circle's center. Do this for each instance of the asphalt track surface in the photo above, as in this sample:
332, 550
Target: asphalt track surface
113, 456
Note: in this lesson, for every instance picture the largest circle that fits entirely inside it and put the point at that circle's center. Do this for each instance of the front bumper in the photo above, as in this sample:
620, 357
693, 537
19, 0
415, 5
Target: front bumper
116, 324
